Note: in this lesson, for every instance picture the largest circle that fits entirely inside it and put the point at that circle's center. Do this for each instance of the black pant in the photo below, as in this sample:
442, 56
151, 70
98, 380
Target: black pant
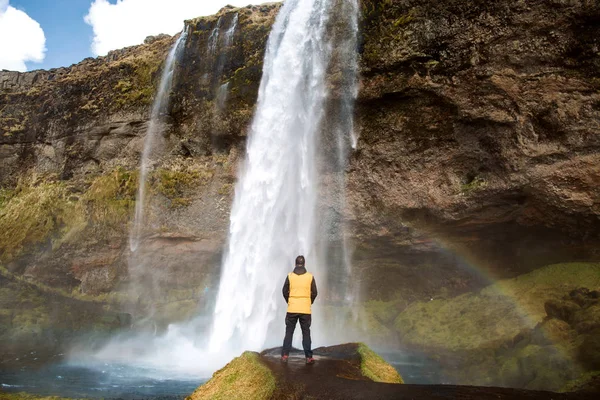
290, 325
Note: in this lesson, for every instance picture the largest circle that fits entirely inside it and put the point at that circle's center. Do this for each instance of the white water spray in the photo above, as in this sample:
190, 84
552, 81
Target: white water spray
273, 214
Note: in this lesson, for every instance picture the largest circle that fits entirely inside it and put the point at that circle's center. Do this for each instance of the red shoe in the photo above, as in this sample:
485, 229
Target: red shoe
310, 360
284, 359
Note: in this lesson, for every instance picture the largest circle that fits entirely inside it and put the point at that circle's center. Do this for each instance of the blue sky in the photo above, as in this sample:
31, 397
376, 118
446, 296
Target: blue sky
68, 37
43, 34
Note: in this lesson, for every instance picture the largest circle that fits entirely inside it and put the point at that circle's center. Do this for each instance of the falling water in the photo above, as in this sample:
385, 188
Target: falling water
213, 39
219, 60
231, 31
273, 218
221, 99
342, 287
161, 102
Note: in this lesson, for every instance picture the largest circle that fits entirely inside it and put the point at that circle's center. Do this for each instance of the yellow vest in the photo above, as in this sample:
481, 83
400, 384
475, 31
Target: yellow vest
299, 300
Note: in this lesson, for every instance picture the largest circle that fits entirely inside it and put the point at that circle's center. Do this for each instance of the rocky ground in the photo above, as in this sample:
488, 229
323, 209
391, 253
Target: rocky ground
349, 371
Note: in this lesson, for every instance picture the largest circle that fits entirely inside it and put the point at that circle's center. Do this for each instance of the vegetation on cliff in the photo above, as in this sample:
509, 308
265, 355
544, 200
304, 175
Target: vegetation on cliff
495, 314
35, 209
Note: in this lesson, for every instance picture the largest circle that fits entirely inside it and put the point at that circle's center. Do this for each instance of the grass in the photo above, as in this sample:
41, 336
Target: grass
495, 314
376, 368
37, 208
138, 88
243, 378
27, 396
109, 201
175, 183
44, 211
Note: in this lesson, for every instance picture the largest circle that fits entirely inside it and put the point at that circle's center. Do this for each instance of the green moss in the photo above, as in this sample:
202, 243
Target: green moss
387, 30
243, 378
123, 86
376, 368
385, 311
139, 87
226, 189
27, 396
38, 208
582, 382
109, 201
5, 196
175, 183
476, 184
44, 210
495, 314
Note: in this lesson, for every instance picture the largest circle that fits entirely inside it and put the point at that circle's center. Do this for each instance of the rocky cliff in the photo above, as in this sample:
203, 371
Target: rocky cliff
478, 123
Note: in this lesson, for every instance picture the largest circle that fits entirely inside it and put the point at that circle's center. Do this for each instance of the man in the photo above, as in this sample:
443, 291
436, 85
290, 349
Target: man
299, 291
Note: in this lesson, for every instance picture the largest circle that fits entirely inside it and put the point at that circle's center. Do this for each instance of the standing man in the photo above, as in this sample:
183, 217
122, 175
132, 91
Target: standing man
299, 291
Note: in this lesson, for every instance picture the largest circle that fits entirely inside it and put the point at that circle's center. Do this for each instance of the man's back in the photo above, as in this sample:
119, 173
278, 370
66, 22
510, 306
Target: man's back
299, 291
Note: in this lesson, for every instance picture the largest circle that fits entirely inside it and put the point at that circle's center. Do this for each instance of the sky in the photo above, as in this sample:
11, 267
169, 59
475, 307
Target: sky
44, 34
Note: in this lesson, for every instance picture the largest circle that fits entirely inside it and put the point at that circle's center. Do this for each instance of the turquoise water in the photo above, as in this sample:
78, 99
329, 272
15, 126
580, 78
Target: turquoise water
114, 381
101, 381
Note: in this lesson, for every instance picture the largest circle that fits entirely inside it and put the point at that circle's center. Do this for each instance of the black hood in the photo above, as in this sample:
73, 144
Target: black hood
299, 270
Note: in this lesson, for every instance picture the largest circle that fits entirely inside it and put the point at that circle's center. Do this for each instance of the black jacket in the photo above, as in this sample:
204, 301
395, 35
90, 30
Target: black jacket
313, 286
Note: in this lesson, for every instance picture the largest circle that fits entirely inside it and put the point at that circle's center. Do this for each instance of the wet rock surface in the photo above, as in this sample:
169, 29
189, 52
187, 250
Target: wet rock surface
336, 374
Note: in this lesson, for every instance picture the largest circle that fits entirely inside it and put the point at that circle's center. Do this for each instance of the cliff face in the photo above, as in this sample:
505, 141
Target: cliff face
479, 136
479, 129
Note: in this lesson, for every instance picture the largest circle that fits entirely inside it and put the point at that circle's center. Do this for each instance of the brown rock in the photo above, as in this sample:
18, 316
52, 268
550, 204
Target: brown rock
562, 309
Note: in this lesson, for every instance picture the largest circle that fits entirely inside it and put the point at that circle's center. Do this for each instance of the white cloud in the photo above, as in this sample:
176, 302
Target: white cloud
129, 22
21, 39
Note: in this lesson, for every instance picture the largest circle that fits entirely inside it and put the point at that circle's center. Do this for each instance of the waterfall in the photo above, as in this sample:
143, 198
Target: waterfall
213, 39
219, 54
275, 214
150, 150
231, 31
273, 217
221, 99
343, 287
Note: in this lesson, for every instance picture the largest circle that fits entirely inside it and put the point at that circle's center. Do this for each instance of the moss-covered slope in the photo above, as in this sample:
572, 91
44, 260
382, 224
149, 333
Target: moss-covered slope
376, 368
262, 376
243, 378
496, 313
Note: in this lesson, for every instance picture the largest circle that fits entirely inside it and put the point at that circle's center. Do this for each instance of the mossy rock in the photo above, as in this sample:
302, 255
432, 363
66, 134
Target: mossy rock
243, 378
587, 382
376, 368
497, 313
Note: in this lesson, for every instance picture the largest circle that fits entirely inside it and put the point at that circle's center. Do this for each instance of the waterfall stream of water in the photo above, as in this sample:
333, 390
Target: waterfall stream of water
159, 107
273, 218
